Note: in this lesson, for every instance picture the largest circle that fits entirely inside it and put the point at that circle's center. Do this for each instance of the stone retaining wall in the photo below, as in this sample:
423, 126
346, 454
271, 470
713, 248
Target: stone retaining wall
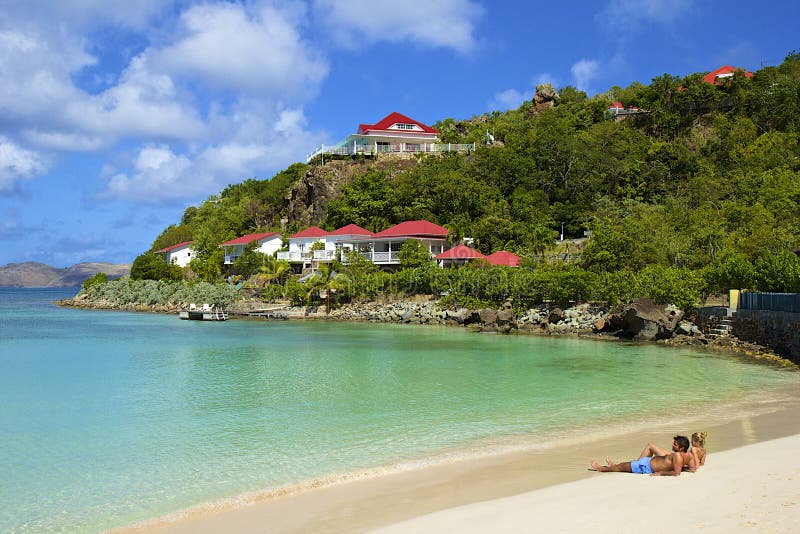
779, 331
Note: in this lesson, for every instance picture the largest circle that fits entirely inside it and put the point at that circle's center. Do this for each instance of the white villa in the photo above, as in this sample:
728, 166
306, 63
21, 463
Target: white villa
383, 247
266, 243
180, 254
300, 244
380, 248
395, 133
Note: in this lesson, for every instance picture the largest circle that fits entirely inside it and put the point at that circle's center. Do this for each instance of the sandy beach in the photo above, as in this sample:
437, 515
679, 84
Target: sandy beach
750, 482
755, 488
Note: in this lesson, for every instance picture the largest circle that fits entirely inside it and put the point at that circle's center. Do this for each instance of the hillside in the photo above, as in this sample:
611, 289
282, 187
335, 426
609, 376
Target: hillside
33, 274
685, 173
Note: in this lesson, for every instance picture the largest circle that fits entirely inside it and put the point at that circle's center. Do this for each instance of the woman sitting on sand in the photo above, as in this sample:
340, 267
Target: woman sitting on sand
698, 448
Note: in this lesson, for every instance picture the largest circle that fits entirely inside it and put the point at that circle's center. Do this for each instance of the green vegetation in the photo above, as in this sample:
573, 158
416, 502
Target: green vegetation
97, 279
126, 290
698, 193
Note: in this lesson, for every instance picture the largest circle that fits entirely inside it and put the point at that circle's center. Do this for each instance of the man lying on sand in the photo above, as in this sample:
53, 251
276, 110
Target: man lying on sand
691, 460
670, 464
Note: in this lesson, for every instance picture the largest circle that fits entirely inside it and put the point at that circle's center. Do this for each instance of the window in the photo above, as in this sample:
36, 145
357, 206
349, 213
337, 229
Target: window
405, 126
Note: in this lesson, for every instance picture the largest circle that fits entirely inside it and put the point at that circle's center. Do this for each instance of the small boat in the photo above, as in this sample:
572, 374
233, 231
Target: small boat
203, 313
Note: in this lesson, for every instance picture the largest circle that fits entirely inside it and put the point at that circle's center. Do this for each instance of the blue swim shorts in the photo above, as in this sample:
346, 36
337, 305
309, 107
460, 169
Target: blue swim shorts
642, 466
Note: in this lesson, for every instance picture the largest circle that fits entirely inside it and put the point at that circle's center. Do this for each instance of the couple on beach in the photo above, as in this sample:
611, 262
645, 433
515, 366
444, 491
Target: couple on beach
656, 461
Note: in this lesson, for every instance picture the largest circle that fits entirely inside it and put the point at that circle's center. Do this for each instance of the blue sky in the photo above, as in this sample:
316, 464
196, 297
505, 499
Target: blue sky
116, 115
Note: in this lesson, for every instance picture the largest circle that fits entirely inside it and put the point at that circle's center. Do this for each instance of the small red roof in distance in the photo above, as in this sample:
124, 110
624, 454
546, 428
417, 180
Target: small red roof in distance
711, 77
351, 229
311, 231
421, 228
503, 257
460, 252
249, 238
616, 105
390, 119
173, 247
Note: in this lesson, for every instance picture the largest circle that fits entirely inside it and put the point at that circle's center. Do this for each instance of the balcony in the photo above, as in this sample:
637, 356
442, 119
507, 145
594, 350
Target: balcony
398, 148
294, 256
324, 255
381, 258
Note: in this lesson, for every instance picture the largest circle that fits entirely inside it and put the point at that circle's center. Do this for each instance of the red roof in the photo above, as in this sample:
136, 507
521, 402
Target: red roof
351, 229
502, 257
711, 77
249, 238
311, 231
393, 118
173, 247
414, 229
460, 252
616, 105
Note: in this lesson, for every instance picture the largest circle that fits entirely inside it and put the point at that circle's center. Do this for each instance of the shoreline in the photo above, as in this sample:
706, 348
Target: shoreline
378, 498
730, 344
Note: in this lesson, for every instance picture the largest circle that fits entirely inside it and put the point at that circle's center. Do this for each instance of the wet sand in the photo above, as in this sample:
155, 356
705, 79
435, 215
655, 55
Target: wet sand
465, 488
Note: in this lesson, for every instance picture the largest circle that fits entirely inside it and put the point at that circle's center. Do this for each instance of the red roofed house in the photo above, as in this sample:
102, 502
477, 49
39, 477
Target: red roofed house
382, 248
502, 257
300, 243
458, 255
716, 77
266, 243
395, 133
180, 254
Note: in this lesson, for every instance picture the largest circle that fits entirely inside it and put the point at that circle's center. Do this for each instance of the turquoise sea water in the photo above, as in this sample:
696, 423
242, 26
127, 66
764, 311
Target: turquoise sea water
109, 418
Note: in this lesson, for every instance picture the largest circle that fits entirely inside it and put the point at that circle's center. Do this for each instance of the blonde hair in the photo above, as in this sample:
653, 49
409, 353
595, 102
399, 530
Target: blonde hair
700, 437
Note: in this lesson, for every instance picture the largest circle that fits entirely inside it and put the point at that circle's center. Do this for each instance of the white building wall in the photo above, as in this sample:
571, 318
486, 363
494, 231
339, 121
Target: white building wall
181, 256
303, 244
270, 246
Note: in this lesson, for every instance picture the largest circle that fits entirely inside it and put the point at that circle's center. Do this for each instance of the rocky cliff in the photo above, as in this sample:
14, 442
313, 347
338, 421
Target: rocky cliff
33, 274
309, 197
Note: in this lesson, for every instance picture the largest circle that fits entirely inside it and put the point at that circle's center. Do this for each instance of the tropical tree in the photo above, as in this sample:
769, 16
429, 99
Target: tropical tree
326, 279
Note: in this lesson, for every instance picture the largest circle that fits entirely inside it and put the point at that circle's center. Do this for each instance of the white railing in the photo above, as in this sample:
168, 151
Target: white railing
399, 148
324, 255
381, 257
294, 255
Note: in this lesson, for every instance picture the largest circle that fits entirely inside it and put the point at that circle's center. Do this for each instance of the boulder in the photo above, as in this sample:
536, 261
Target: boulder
642, 319
488, 316
556, 316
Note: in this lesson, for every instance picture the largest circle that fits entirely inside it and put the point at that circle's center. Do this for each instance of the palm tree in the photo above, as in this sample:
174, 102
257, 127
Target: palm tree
271, 270
326, 278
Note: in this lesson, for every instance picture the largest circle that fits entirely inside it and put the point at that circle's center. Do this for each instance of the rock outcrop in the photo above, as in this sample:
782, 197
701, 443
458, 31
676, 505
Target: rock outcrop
643, 320
544, 98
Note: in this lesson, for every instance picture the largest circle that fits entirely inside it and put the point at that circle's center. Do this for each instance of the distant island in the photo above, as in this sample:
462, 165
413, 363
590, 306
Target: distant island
34, 274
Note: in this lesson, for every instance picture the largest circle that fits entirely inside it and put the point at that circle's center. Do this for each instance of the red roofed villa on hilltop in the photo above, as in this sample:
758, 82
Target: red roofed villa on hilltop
718, 76
395, 133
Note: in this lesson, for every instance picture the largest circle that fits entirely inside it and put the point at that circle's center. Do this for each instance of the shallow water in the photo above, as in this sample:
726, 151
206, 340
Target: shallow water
108, 418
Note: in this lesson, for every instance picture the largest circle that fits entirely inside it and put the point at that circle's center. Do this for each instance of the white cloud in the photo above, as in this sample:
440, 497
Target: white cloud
583, 72
258, 52
17, 163
513, 98
254, 139
508, 99
213, 93
441, 24
631, 15
158, 174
